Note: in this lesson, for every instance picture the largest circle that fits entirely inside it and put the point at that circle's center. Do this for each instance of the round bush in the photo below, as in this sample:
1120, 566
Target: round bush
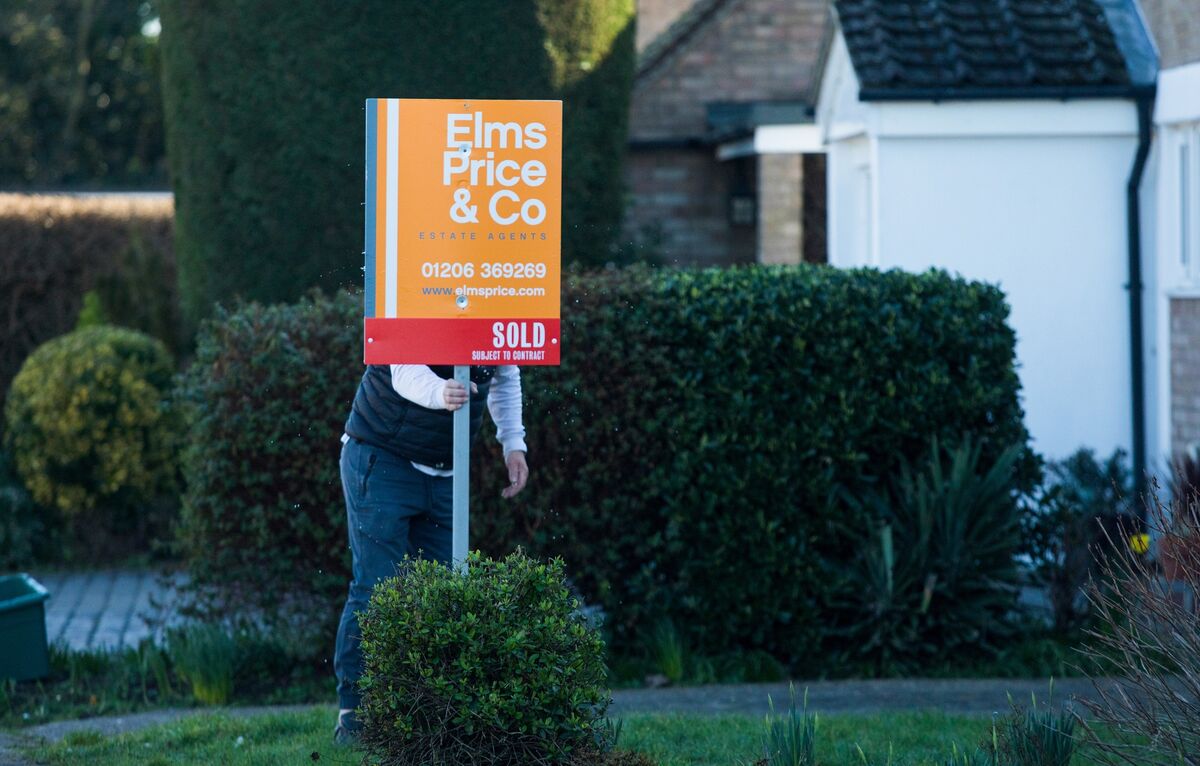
491, 666
89, 423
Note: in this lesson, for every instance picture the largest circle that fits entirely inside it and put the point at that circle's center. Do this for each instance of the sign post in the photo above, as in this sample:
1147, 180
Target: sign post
462, 466
463, 239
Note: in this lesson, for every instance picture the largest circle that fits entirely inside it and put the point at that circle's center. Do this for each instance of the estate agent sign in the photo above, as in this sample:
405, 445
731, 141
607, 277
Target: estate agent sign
463, 232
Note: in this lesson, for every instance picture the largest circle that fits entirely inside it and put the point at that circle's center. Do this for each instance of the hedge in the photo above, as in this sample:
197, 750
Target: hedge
56, 249
265, 131
686, 457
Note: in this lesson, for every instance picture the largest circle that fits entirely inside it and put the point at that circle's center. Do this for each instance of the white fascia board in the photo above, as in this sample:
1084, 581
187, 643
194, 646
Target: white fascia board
775, 139
1024, 118
1178, 95
788, 139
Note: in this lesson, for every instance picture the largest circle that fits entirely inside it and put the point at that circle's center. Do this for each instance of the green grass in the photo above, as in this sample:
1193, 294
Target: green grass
914, 739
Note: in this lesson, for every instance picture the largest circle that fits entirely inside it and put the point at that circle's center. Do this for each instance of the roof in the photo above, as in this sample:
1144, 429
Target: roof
944, 49
679, 31
728, 120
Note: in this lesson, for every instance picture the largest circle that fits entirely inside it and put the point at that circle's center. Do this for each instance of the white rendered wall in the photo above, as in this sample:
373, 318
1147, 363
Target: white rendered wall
1027, 195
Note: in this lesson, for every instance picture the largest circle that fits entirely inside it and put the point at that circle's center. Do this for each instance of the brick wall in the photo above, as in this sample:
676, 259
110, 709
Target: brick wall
748, 50
780, 186
679, 208
1185, 372
654, 16
1176, 28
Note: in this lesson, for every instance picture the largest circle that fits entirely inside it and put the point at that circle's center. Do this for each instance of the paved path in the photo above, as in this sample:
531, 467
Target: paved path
960, 696
102, 609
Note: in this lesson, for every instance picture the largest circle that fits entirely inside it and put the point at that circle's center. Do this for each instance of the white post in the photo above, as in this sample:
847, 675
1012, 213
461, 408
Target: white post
462, 461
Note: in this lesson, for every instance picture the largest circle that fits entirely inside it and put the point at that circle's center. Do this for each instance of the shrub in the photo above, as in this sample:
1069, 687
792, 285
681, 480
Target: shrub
937, 574
56, 249
490, 666
1064, 527
1147, 634
297, 211
263, 525
92, 431
700, 419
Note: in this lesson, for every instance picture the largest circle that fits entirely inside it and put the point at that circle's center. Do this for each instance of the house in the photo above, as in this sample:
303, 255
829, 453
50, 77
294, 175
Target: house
719, 83
999, 140
1173, 224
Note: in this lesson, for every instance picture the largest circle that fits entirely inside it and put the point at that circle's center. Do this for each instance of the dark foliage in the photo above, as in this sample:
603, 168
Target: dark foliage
264, 524
264, 110
82, 104
57, 249
700, 422
1065, 525
491, 666
936, 576
684, 455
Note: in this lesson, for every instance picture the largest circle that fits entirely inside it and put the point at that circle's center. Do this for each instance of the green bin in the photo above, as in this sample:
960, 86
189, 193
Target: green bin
22, 628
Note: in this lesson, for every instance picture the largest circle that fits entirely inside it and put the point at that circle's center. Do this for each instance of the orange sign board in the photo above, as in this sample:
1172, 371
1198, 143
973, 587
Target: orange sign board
463, 231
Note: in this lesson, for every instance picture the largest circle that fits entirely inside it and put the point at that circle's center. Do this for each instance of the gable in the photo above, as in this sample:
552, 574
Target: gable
727, 51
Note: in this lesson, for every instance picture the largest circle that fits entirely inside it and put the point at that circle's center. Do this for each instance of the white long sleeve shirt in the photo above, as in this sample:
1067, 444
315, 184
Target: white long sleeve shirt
421, 385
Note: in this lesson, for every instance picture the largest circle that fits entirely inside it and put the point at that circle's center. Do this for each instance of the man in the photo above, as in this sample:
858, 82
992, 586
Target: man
396, 464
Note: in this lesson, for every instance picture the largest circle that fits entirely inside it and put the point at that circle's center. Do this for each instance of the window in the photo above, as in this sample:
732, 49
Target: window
1187, 210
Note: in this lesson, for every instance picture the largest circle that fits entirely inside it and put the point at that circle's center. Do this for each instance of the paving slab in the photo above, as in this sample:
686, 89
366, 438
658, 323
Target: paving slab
104, 609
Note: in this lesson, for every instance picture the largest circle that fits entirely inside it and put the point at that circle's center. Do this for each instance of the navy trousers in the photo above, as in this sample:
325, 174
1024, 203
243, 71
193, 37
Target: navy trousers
392, 510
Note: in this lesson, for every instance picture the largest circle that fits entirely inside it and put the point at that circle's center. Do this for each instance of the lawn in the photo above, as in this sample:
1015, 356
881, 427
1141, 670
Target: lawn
907, 739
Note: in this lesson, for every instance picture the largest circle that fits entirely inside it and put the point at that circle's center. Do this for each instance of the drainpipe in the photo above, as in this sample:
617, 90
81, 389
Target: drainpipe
1144, 97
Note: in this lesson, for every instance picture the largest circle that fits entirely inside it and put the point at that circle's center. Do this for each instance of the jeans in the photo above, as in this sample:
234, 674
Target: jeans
392, 510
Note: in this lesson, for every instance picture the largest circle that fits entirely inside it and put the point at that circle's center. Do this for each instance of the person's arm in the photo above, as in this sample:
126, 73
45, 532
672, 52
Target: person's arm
421, 385
504, 404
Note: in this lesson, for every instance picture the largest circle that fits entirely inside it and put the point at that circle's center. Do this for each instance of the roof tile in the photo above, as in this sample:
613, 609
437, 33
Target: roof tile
949, 46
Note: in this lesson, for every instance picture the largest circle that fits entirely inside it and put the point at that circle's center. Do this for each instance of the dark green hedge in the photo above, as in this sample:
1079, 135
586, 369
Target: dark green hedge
264, 110
683, 458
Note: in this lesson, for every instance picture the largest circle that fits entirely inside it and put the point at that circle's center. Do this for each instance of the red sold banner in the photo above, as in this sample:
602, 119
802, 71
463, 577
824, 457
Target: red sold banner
463, 232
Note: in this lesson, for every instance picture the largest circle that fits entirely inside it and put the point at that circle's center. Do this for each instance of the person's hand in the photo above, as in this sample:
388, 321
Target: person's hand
518, 473
454, 394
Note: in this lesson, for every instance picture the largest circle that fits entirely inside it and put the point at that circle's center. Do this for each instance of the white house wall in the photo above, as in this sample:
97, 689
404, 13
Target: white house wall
1028, 195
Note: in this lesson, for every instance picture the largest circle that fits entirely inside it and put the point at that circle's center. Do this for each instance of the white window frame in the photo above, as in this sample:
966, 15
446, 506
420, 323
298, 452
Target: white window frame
1183, 202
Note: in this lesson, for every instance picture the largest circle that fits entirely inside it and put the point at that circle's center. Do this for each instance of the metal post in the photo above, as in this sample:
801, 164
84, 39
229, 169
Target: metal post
462, 460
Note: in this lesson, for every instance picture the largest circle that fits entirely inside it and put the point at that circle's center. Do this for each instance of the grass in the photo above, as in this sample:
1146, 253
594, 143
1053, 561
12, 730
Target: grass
911, 739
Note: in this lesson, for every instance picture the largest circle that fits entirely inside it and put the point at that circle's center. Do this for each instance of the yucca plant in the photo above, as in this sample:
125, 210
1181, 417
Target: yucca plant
937, 571
205, 656
790, 739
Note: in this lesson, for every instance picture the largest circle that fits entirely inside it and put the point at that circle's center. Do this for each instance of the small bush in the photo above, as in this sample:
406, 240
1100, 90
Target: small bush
937, 574
92, 431
489, 666
205, 656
